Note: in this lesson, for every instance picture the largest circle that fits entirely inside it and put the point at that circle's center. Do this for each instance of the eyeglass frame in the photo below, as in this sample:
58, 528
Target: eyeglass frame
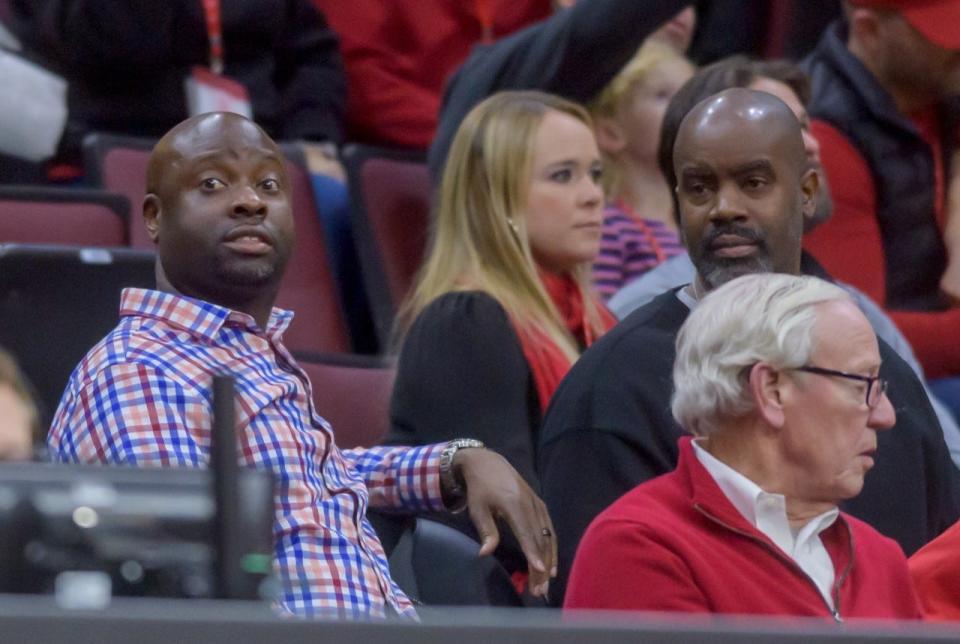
870, 380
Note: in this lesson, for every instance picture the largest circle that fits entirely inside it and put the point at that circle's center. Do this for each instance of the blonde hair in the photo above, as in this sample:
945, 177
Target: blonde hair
478, 237
650, 57
11, 376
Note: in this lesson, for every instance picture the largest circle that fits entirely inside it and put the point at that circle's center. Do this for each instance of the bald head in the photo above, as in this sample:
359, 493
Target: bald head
744, 186
737, 113
200, 133
218, 208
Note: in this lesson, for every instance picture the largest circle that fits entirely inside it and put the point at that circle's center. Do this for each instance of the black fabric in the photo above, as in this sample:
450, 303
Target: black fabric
609, 428
437, 566
462, 374
126, 61
574, 54
847, 96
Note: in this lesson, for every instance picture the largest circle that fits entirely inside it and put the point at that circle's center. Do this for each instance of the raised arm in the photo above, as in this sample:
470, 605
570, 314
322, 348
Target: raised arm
574, 53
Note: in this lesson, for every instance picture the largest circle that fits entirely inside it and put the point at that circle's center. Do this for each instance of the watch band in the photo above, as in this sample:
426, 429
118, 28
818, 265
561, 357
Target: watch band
452, 486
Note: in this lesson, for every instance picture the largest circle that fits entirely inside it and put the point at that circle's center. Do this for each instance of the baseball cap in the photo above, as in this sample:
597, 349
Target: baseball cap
937, 20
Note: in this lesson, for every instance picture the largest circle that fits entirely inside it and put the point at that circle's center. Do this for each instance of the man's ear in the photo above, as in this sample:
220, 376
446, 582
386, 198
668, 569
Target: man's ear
152, 211
610, 135
810, 189
765, 385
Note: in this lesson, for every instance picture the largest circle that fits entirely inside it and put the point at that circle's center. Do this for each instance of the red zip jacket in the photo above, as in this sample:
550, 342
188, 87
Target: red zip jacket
935, 569
676, 543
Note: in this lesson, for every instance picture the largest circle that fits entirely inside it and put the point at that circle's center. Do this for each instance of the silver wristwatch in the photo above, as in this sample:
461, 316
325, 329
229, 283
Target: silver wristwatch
454, 492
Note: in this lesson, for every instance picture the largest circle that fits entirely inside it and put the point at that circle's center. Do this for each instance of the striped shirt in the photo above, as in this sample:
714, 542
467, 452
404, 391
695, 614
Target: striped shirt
142, 396
630, 246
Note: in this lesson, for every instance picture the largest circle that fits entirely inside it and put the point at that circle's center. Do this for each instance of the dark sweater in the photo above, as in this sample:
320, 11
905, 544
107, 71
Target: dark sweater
462, 373
126, 61
609, 428
574, 54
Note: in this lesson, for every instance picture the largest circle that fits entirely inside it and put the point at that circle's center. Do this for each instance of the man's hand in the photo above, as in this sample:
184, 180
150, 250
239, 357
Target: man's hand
322, 159
495, 490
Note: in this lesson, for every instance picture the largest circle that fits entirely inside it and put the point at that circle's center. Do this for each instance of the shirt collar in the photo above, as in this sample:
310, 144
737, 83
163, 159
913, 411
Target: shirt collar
199, 318
686, 298
739, 490
764, 510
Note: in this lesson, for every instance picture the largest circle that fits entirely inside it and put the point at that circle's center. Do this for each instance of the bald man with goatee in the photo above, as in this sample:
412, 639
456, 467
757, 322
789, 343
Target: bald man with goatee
743, 186
218, 209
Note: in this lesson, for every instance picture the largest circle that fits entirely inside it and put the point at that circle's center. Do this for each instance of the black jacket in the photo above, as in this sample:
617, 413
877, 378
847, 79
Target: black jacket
847, 96
126, 61
609, 428
574, 54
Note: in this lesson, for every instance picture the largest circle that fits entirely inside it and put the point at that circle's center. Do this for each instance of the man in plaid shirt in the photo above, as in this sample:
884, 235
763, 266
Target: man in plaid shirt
218, 208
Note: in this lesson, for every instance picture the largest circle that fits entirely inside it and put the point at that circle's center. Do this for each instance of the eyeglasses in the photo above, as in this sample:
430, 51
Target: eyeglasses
874, 393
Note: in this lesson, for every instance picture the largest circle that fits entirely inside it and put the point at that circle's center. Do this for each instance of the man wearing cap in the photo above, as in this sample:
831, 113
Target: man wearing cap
883, 84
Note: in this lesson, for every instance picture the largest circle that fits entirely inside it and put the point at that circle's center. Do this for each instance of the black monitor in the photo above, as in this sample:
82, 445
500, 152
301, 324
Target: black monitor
151, 532
89, 532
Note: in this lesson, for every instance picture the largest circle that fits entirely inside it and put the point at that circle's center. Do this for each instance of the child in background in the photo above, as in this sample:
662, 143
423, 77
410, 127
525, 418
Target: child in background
639, 229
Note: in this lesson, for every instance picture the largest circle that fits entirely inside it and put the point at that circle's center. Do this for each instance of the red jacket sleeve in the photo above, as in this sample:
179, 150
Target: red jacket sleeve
619, 565
935, 569
849, 246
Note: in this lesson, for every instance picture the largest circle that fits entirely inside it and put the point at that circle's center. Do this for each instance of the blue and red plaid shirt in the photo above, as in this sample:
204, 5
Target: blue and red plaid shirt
142, 396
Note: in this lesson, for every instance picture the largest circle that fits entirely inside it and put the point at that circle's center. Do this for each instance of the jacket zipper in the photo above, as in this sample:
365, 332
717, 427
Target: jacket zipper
835, 609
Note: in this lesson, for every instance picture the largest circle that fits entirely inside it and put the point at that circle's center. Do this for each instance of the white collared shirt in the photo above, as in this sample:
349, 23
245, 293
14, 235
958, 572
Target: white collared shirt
768, 514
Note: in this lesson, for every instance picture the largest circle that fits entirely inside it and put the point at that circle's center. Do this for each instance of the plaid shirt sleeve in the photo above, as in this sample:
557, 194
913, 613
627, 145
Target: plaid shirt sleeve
400, 477
131, 414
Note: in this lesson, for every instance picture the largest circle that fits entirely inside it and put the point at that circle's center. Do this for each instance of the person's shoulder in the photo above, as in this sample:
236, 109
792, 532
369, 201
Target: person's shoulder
136, 343
463, 321
457, 307
648, 329
869, 543
653, 505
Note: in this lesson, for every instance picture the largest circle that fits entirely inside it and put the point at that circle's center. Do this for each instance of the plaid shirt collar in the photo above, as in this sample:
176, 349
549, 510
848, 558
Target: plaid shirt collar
203, 320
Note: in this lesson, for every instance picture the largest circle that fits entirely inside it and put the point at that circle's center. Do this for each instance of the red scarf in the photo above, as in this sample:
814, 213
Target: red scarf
547, 361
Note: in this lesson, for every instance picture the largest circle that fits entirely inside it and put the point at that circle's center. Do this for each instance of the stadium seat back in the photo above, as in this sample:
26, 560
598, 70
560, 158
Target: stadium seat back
56, 302
352, 393
41, 215
390, 193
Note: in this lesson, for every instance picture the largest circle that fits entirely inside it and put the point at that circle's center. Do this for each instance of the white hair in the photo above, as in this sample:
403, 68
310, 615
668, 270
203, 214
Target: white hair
764, 317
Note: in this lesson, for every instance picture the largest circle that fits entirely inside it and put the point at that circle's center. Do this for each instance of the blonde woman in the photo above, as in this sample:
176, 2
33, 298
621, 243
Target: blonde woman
639, 229
502, 305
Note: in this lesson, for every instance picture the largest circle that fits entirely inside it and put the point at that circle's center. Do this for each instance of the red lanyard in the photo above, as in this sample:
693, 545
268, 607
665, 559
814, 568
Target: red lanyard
485, 11
211, 13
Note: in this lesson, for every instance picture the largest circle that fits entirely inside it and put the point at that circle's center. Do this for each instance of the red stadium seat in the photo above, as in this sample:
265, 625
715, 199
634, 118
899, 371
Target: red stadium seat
308, 288
390, 191
119, 164
352, 393
39, 215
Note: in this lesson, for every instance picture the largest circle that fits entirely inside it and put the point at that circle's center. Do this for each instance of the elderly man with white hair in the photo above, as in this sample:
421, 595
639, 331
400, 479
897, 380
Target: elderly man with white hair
777, 378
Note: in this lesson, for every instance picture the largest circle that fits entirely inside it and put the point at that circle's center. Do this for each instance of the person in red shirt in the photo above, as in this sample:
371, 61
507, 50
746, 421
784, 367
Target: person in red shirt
398, 56
776, 375
882, 81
